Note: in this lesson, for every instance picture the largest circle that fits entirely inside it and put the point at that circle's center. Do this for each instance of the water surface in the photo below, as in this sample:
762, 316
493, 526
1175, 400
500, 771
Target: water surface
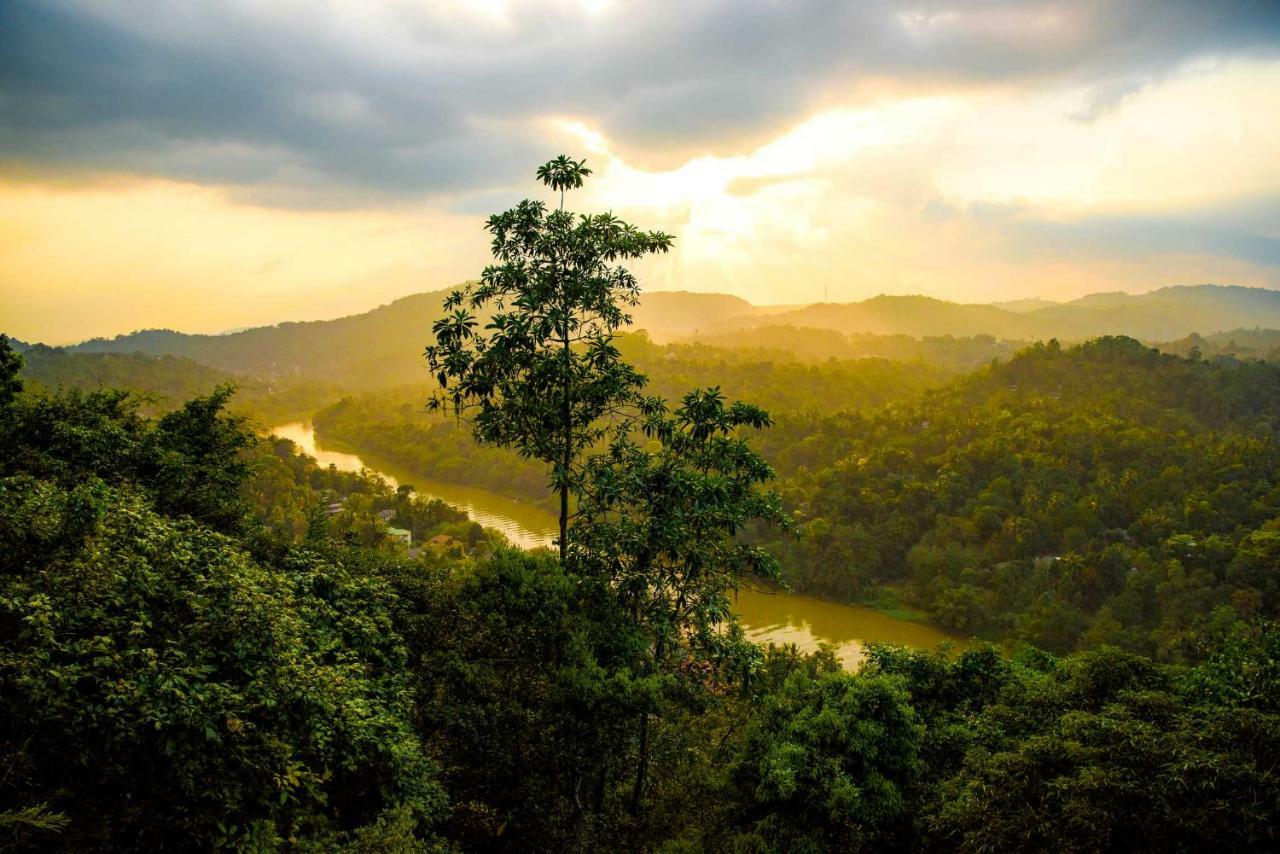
525, 525
767, 616
781, 617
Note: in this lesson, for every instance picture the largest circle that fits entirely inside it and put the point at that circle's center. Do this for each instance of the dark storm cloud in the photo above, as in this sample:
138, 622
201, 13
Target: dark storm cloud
310, 103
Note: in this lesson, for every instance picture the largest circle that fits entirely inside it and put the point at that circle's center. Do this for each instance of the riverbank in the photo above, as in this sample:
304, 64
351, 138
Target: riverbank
767, 615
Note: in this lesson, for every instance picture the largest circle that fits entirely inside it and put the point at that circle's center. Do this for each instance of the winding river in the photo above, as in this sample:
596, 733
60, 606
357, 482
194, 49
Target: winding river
766, 616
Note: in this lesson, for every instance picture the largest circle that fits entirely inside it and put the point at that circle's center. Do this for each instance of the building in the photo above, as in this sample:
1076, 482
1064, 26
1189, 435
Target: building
400, 535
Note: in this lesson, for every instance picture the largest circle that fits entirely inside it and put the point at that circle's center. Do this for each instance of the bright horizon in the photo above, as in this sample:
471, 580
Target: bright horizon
228, 166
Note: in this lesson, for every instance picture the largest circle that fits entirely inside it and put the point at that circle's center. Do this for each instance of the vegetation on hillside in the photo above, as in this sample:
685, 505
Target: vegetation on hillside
209, 641
395, 425
1102, 494
173, 675
163, 383
380, 348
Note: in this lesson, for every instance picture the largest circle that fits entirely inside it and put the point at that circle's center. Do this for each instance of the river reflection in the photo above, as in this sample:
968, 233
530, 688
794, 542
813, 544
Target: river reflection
525, 526
769, 616
766, 616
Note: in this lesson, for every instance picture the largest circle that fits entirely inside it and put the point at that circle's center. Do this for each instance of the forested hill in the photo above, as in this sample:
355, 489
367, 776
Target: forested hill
1160, 315
162, 383
1163, 314
1105, 493
196, 655
383, 347
380, 347
385, 342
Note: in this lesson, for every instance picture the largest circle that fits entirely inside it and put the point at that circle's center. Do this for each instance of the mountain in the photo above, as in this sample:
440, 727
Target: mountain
898, 315
379, 344
1161, 315
383, 347
667, 314
380, 347
1172, 312
1021, 306
165, 382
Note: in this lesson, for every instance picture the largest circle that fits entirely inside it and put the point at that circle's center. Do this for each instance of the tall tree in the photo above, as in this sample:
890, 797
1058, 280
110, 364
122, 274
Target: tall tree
662, 515
542, 375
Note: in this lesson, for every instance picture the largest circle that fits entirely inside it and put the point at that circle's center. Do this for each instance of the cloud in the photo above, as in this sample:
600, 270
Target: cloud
333, 104
1244, 230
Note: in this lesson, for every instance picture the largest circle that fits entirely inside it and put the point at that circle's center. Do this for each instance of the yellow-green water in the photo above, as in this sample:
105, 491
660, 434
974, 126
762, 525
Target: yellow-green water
781, 617
767, 616
525, 525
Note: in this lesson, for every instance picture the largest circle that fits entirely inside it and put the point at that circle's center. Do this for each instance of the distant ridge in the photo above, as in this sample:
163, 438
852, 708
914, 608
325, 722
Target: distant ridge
383, 346
1021, 306
1161, 315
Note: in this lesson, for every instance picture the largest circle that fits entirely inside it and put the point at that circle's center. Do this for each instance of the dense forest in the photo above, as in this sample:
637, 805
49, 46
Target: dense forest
162, 383
1101, 494
183, 668
1070, 497
396, 425
209, 640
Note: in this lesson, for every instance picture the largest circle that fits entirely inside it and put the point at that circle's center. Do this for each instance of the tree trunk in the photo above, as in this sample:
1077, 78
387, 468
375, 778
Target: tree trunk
642, 769
567, 414
564, 520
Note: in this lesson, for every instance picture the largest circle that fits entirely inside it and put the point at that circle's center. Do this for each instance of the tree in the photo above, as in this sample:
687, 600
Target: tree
10, 365
829, 764
661, 527
542, 374
164, 686
516, 668
198, 458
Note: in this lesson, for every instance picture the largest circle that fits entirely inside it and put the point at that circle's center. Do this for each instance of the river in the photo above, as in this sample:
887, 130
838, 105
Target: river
766, 616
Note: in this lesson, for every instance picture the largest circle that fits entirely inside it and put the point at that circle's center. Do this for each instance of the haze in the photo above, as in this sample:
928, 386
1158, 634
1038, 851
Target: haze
206, 166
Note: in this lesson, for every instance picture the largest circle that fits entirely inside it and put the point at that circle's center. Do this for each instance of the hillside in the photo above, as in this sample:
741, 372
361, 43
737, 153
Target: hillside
900, 315
1164, 314
161, 383
1161, 315
1105, 493
1261, 344
382, 347
393, 424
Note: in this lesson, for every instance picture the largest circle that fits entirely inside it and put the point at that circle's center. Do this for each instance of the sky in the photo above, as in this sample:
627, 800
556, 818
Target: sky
205, 166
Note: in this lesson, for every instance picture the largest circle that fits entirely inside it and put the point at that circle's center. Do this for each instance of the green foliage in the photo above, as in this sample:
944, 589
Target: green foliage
660, 527
519, 685
543, 371
23, 827
196, 457
162, 383
394, 426
1072, 497
1108, 752
10, 366
165, 685
829, 763
928, 354
661, 524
